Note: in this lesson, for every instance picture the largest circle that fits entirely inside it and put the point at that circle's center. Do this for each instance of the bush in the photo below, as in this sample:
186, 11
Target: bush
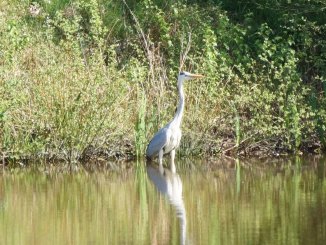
91, 78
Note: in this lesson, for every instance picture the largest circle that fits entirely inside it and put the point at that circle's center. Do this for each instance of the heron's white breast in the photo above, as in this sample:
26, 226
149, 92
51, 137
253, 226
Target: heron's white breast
173, 140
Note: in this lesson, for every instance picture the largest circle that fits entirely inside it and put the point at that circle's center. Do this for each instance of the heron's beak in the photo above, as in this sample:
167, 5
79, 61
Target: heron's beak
196, 76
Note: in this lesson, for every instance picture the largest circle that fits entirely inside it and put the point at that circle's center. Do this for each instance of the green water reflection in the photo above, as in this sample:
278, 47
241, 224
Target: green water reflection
225, 202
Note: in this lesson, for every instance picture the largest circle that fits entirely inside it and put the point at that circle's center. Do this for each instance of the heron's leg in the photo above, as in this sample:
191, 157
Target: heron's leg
172, 165
160, 160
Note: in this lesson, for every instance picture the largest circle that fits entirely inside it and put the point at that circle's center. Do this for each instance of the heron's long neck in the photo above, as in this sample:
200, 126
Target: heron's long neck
178, 115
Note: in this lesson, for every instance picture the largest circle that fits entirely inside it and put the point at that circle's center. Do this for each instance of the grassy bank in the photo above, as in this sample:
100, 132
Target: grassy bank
82, 79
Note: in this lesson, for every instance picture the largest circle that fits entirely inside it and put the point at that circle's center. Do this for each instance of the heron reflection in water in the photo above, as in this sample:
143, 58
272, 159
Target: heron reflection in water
167, 139
170, 185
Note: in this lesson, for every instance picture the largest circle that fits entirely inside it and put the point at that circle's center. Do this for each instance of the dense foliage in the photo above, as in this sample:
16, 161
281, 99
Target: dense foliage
97, 78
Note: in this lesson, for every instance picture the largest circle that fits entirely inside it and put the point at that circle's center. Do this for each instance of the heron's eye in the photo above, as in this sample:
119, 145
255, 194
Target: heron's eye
182, 73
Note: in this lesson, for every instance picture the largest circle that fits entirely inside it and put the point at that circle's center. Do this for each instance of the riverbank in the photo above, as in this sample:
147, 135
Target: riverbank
90, 80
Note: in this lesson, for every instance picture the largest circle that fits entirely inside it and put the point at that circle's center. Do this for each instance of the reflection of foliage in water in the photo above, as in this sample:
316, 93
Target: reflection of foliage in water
277, 202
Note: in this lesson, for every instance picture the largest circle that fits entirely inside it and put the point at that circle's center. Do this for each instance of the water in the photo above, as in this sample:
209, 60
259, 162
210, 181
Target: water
225, 202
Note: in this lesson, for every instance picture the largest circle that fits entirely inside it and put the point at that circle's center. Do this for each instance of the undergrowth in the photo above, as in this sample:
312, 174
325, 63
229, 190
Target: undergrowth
95, 79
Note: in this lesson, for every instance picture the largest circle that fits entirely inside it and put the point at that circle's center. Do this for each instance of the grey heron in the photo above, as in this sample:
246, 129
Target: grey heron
167, 139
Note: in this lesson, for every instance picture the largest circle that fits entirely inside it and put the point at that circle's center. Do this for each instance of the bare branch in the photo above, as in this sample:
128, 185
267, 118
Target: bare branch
144, 38
183, 54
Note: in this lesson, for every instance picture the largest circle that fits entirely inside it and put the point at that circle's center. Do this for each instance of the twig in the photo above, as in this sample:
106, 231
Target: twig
3, 162
238, 145
183, 55
145, 39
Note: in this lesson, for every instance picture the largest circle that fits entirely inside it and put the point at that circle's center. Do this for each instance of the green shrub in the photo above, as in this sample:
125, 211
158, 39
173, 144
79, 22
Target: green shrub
96, 78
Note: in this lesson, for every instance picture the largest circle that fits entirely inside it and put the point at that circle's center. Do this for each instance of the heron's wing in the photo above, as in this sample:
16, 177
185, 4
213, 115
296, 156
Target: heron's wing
157, 143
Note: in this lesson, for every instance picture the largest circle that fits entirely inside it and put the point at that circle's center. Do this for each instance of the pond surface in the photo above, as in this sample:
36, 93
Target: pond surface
269, 201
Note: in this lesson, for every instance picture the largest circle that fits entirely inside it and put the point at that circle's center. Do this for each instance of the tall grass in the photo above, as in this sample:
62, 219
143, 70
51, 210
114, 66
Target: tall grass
88, 78
140, 128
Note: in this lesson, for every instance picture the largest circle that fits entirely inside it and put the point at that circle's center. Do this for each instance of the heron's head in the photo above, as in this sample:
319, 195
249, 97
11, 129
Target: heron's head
184, 76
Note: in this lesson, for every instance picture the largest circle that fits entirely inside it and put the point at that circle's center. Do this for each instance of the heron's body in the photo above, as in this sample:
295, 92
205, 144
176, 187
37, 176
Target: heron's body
167, 139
